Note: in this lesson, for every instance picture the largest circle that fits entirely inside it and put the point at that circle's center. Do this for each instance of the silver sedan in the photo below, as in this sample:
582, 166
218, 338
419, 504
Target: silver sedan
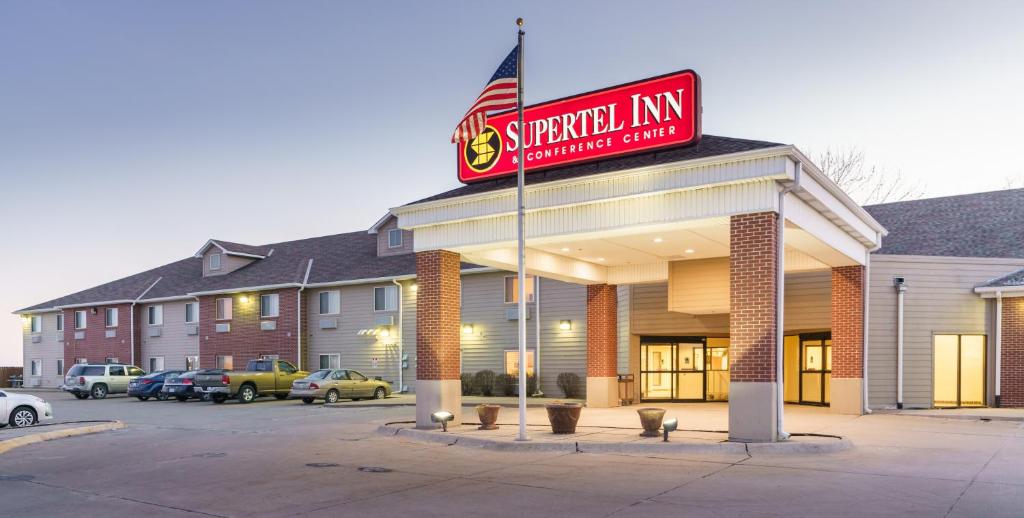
331, 385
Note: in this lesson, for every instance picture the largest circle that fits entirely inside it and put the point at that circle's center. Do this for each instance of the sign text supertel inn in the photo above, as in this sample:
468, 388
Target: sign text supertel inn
645, 115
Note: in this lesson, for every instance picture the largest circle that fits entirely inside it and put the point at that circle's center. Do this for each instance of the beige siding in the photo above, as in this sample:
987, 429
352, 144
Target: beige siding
939, 299
483, 306
699, 286
382, 240
174, 342
48, 350
622, 321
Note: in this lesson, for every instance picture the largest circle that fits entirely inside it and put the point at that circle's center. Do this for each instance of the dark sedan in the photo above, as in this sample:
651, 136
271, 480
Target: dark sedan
150, 385
181, 386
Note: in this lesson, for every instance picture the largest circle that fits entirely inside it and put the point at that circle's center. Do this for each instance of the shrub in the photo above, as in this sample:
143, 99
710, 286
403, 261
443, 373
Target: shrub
531, 385
467, 383
483, 382
506, 384
569, 383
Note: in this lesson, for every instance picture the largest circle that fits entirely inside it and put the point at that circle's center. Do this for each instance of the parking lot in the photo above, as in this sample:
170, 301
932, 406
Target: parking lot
282, 458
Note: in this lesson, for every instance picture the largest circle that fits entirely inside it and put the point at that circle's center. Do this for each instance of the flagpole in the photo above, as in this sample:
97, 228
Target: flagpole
520, 217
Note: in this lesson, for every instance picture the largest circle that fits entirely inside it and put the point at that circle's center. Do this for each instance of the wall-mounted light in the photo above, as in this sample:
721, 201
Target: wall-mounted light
467, 329
565, 325
414, 287
384, 332
244, 299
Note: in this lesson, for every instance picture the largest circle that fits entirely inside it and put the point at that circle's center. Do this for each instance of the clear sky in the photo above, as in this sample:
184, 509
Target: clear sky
132, 131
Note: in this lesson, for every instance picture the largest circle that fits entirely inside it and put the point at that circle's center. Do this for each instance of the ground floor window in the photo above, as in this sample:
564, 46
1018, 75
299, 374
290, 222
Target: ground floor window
684, 368
330, 361
191, 363
156, 364
512, 362
225, 362
958, 369
36, 368
270, 356
60, 366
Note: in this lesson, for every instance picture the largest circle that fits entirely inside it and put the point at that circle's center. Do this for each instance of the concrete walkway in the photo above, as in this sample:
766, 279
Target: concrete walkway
467, 401
11, 438
993, 414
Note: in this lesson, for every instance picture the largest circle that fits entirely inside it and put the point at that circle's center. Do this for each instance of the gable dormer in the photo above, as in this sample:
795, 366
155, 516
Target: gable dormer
222, 257
391, 240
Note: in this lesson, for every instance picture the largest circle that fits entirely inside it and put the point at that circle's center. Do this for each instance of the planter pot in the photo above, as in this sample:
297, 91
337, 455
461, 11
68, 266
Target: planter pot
564, 416
488, 415
650, 419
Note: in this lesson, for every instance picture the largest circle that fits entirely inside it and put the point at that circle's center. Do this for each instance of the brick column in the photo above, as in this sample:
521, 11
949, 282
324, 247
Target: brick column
437, 336
753, 265
602, 346
847, 386
1012, 358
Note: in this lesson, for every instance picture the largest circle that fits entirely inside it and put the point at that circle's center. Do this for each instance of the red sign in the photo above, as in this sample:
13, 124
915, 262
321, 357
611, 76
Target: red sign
644, 115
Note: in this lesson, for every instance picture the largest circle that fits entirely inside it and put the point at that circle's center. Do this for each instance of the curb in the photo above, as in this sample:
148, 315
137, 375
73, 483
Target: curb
25, 440
637, 447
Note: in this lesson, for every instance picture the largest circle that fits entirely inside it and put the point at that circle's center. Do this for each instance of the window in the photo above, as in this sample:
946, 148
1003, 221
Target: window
355, 376
37, 368
286, 367
330, 302
270, 357
339, 375
60, 321
110, 317
81, 361
330, 361
385, 298
155, 315
512, 362
80, 320
135, 371
156, 364
394, 238
37, 324
225, 362
191, 363
512, 289
269, 306
117, 370
214, 262
191, 312
224, 309
60, 367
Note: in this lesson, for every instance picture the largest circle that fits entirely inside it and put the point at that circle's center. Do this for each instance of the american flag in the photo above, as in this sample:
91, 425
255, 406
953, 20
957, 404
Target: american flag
499, 94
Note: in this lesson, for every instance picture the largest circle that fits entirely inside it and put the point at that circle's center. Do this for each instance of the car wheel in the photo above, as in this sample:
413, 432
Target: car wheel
182, 398
307, 400
246, 394
99, 391
161, 397
332, 396
82, 396
218, 399
379, 393
143, 398
281, 396
22, 416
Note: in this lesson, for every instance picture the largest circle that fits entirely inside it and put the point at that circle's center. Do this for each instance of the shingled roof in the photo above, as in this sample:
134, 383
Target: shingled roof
709, 146
1014, 279
987, 224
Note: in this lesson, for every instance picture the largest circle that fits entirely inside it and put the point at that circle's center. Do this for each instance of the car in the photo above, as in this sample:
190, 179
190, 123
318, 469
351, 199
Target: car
331, 385
181, 386
84, 380
260, 378
20, 410
150, 385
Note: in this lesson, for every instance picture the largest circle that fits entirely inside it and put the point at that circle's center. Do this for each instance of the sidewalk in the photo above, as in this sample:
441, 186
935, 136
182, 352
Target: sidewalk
467, 401
993, 414
11, 438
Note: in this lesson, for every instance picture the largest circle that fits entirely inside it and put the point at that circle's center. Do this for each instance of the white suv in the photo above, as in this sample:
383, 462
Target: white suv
99, 380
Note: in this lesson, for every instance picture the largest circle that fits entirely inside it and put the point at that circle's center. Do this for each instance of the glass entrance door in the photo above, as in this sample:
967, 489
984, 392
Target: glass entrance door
677, 369
958, 371
815, 368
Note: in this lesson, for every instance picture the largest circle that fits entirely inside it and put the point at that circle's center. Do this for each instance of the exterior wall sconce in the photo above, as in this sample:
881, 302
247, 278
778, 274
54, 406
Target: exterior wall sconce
414, 287
565, 325
384, 332
467, 329
244, 299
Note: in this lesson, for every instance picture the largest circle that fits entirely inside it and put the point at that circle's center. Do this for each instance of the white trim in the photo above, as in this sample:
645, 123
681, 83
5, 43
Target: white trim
220, 262
229, 291
991, 292
319, 302
401, 238
213, 242
103, 303
165, 299
385, 288
380, 222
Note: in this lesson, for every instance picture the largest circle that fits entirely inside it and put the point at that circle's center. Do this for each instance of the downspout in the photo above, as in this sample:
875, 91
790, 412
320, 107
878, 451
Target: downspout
999, 346
536, 359
298, 312
901, 288
401, 302
864, 340
131, 317
780, 302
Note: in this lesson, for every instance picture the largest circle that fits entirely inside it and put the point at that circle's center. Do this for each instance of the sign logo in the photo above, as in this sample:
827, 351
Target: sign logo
645, 115
483, 151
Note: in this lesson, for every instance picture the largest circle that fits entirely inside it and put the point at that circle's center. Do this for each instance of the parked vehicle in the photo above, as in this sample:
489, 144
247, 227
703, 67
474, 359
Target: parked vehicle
260, 378
20, 410
99, 380
181, 386
331, 385
150, 385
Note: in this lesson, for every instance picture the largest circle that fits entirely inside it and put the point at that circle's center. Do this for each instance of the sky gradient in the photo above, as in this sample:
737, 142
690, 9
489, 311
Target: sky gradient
133, 131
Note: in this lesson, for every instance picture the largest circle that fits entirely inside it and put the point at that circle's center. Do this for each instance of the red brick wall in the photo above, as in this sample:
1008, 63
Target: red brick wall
1012, 382
95, 346
848, 322
246, 341
602, 331
437, 315
752, 286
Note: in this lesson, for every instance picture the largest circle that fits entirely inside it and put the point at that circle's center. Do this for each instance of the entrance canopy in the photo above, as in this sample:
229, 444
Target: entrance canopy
630, 224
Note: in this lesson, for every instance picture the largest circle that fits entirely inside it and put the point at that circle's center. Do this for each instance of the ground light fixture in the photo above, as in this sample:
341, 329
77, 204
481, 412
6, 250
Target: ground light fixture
669, 425
565, 325
442, 417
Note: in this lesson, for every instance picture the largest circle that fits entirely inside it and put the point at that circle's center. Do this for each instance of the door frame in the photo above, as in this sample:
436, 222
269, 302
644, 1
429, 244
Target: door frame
959, 369
674, 341
826, 354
